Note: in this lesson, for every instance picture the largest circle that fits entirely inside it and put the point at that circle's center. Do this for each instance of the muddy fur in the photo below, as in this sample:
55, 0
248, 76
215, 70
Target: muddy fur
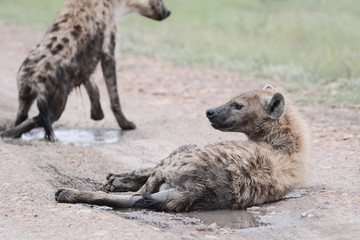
82, 35
232, 174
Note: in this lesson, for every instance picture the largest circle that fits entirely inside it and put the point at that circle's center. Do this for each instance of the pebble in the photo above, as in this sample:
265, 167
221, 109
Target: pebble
254, 208
330, 129
347, 137
309, 213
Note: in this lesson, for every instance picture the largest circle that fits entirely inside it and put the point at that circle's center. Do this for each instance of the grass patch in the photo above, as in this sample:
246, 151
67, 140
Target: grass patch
304, 45
34, 12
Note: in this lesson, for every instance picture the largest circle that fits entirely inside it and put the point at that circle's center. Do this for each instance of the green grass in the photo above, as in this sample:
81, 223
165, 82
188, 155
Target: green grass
305, 45
34, 12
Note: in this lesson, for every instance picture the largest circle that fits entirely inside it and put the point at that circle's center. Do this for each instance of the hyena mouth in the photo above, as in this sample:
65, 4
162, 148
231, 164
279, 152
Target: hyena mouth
223, 126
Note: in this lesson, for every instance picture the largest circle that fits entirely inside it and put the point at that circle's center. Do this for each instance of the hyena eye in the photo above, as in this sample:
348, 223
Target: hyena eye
236, 106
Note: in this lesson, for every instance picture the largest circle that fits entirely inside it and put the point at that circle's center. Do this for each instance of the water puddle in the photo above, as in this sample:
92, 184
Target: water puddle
240, 219
253, 217
78, 137
297, 193
235, 219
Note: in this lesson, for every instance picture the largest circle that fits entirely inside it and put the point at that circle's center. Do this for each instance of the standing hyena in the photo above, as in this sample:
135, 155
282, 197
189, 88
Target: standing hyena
234, 174
81, 36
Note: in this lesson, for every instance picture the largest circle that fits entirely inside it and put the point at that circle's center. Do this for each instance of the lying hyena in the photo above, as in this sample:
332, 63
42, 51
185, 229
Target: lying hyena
234, 174
81, 36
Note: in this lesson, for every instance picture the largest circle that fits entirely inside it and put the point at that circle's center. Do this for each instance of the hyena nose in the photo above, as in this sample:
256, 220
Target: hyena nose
210, 113
167, 13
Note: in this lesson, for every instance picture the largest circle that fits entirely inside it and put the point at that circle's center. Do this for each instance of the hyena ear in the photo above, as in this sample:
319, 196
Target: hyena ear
276, 107
268, 87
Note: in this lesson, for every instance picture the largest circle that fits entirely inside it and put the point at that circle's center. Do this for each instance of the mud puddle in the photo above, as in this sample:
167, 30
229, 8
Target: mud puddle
207, 220
78, 137
235, 219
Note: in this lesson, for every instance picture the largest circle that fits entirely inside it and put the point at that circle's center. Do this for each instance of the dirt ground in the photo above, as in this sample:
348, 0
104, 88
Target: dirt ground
168, 104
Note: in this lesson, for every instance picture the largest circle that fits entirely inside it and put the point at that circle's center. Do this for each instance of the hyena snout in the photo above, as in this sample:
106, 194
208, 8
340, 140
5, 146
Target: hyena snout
161, 15
210, 113
218, 117
166, 14
156, 10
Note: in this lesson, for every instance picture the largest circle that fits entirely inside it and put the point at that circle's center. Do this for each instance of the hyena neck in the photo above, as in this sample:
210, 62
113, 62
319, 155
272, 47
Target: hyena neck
286, 134
120, 9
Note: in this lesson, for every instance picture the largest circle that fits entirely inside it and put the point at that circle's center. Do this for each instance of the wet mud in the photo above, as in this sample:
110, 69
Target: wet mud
78, 137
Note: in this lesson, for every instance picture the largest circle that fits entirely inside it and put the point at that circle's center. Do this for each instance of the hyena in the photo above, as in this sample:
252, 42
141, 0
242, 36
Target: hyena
232, 174
82, 35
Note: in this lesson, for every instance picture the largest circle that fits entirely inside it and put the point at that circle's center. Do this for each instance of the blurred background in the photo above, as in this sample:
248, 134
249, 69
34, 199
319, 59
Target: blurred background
307, 46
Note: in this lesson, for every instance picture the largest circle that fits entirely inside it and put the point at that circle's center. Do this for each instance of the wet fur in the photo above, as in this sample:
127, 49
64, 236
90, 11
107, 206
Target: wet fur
82, 35
232, 174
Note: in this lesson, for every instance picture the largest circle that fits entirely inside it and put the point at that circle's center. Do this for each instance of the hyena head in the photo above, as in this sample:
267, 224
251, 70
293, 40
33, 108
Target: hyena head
249, 112
154, 9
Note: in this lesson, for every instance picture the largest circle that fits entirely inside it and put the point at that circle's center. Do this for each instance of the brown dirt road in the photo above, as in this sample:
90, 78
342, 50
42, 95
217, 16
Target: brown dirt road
167, 103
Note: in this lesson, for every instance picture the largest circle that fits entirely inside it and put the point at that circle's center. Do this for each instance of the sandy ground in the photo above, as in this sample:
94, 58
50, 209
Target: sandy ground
168, 104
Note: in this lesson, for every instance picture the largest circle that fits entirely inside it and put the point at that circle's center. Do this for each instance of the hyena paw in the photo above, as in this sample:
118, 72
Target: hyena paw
128, 125
121, 183
97, 114
66, 195
11, 133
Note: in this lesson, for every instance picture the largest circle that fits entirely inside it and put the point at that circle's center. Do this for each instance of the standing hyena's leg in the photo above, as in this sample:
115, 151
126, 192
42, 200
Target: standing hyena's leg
93, 92
26, 99
45, 118
127, 181
58, 104
23, 127
109, 71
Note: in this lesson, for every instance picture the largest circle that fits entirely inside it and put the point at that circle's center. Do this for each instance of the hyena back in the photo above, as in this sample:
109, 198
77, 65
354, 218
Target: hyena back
82, 35
233, 174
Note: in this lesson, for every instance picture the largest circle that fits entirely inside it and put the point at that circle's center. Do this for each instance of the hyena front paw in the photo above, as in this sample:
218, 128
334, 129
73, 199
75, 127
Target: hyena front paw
10, 133
122, 183
66, 195
97, 114
128, 125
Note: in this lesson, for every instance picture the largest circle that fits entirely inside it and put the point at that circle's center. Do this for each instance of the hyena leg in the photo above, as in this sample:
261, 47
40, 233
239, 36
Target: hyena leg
109, 71
44, 119
185, 200
146, 200
154, 182
93, 92
26, 98
97, 198
46, 115
128, 181
58, 104
24, 127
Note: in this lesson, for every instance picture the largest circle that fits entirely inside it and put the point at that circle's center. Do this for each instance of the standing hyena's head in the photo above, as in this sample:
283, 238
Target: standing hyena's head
154, 9
249, 112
